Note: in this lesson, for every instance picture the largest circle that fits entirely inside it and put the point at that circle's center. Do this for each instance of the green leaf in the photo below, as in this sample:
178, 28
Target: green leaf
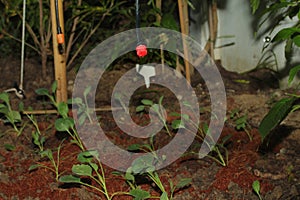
21, 107
134, 147
143, 164
54, 87
285, 34
33, 167
139, 194
140, 108
87, 156
254, 5
35, 136
155, 107
164, 196
177, 124
160, 100
82, 170
94, 166
147, 102
15, 115
64, 124
293, 72
48, 153
9, 147
183, 183
129, 177
76, 100
296, 40
63, 109
69, 179
42, 91
4, 97
275, 116
168, 21
87, 90
256, 186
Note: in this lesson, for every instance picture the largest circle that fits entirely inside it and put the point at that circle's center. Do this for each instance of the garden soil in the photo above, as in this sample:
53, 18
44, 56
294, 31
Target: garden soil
276, 166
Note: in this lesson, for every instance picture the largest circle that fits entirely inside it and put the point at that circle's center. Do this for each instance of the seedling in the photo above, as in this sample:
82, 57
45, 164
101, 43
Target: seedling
89, 168
65, 123
11, 116
55, 162
83, 111
241, 122
157, 108
37, 137
217, 148
256, 188
144, 166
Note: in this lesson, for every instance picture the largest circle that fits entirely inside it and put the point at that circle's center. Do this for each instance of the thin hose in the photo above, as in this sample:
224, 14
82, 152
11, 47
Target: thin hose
23, 45
57, 18
137, 15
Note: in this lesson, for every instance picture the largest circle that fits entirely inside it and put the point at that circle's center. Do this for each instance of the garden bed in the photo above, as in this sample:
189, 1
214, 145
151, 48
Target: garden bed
276, 167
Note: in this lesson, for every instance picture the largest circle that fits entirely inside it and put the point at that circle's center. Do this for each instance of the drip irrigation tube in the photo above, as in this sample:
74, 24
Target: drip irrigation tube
60, 35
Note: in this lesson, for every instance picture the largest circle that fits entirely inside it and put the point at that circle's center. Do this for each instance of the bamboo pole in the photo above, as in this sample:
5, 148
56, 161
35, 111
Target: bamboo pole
158, 15
184, 25
213, 26
59, 59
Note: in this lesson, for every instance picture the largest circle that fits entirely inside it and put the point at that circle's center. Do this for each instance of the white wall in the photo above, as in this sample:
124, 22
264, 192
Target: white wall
236, 26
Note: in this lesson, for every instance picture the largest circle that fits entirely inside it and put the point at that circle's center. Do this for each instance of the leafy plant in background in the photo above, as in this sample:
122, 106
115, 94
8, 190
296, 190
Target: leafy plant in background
10, 116
83, 20
37, 25
280, 10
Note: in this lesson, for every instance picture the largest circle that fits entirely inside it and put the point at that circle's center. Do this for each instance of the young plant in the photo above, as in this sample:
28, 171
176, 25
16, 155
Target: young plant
241, 122
216, 147
94, 171
144, 166
83, 111
11, 116
256, 188
55, 162
37, 137
157, 108
65, 123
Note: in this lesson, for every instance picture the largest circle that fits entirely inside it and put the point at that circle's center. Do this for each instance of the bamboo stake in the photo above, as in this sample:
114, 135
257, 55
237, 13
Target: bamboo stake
59, 59
184, 24
213, 26
158, 15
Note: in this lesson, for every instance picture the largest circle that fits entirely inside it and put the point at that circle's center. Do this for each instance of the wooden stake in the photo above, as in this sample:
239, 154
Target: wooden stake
184, 24
44, 112
158, 6
59, 59
213, 26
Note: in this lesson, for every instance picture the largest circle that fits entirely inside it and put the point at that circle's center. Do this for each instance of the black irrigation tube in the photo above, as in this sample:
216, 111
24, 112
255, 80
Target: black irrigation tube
60, 35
